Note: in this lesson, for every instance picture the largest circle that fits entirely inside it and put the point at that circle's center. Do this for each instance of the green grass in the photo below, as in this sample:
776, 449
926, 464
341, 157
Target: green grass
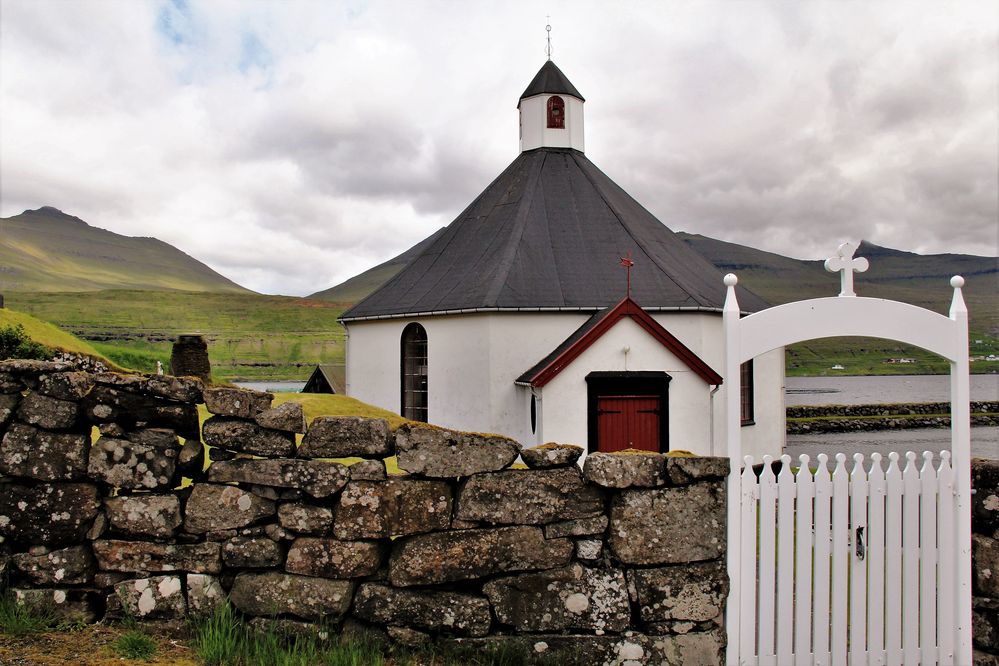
46, 333
18, 619
250, 336
134, 644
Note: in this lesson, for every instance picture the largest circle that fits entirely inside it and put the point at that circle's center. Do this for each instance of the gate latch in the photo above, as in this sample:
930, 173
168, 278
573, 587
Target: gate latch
859, 542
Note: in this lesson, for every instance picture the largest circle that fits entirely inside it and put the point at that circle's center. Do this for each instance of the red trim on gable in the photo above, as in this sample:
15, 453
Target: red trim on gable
627, 308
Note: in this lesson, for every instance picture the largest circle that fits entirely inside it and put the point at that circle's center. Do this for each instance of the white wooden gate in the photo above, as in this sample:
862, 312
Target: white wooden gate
859, 562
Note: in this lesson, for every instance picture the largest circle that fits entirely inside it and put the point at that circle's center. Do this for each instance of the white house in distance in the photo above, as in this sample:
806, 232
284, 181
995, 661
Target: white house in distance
518, 319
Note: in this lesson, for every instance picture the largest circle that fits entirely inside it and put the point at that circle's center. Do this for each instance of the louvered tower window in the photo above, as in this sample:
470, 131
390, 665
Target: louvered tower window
556, 112
414, 372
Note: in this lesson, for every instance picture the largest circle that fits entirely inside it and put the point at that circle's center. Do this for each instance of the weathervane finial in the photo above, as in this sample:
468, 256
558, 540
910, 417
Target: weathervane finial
628, 262
548, 28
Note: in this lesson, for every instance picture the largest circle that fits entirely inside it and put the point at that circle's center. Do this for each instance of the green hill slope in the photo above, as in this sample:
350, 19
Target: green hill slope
50, 335
48, 250
250, 336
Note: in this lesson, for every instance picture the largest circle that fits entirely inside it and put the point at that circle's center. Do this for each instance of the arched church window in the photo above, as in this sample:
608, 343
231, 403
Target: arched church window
414, 372
556, 112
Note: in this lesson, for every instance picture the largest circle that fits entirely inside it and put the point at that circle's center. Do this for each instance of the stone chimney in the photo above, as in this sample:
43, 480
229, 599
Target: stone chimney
190, 358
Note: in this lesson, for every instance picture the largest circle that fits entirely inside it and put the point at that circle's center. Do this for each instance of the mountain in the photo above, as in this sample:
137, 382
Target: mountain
906, 276
48, 250
359, 286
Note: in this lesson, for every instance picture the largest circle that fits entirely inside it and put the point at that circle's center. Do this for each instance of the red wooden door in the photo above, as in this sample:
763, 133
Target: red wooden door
628, 422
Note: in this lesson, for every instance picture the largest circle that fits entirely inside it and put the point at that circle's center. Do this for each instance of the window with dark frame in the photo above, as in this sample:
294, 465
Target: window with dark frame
414, 372
746, 401
556, 112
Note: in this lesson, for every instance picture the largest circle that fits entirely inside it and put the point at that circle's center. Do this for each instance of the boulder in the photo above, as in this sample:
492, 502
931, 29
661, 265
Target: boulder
528, 497
45, 412
8, 406
247, 437
626, 469
574, 597
179, 389
442, 454
214, 507
428, 610
985, 566
582, 527
368, 470
65, 385
20, 367
61, 605
305, 518
397, 507
985, 501
10, 384
347, 437
669, 525
44, 455
287, 417
588, 550
443, 557
694, 649
148, 464
985, 624
331, 558
303, 596
204, 594
132, 411
551, 455
191, 459
69, 566
144, 557
239, 402
685, 592
251, 553
47, 513
684, 470
318, 478
155, 516
157, 597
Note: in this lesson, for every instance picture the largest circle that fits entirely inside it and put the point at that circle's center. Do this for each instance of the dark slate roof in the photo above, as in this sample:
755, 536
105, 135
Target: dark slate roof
548, 234
552, 81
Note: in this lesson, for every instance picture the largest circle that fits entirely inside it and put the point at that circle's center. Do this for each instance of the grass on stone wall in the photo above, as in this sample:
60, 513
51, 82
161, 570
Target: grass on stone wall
222, 638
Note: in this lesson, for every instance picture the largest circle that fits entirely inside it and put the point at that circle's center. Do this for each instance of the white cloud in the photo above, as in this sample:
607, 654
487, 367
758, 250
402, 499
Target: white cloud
291, 145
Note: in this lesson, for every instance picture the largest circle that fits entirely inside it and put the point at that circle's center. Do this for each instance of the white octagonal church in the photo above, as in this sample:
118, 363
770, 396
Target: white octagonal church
518, 319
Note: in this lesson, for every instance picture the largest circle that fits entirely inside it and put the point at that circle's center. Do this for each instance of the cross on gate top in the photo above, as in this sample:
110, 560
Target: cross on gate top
845, 264
627, 262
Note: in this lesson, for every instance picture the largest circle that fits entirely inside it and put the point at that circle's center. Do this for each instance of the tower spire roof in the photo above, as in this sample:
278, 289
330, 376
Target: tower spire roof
550, 80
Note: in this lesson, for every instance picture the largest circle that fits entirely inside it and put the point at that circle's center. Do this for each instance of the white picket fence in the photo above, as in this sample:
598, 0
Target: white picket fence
869, 565
851, 565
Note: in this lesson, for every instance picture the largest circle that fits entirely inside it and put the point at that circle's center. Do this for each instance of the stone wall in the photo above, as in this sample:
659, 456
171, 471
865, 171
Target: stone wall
813, 419
985, 560
622, 561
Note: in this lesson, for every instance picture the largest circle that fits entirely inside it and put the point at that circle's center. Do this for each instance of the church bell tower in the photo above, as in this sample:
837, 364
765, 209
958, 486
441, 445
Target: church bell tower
551, 112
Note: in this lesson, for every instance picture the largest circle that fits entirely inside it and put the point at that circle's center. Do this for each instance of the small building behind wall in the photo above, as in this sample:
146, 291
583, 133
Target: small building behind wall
519, 318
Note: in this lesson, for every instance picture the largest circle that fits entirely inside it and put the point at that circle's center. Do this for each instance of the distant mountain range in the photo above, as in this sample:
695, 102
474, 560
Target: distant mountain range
906, 276
48, 250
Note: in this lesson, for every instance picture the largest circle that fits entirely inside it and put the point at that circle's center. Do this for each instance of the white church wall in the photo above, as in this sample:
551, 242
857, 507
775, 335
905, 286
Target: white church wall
534, 131
474, 360
565, 397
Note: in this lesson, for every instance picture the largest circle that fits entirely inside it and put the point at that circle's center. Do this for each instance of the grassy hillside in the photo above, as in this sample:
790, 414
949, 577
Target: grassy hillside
47, 250
49, 335
250, 336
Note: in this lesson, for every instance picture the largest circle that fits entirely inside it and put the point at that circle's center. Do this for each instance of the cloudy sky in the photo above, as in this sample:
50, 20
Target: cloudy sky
291, 145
